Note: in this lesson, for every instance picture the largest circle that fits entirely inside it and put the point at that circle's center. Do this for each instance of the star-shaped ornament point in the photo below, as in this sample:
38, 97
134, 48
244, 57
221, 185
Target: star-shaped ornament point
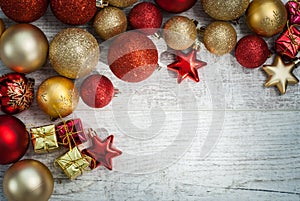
186, 65
280, 74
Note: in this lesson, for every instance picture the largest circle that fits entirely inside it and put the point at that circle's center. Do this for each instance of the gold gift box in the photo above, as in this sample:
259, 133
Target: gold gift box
73, 163
44, 138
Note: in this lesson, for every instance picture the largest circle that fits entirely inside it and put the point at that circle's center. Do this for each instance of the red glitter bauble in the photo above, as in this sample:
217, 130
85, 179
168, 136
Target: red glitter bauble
24, 11
176, 6
16, 93
73, 12
145, 16
132, 57
251, 51
97, 91
14, 139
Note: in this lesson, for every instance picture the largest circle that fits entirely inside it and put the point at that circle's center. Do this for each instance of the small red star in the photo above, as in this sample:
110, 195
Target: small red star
186, 65
102, 151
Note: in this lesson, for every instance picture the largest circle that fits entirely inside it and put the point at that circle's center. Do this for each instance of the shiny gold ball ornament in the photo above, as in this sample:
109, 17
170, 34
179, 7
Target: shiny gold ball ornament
267, 17
23, 48
179, 32
57, 96
219, 37
74, 53
28, 180
121, 3
109, 22
225, 10
2, 27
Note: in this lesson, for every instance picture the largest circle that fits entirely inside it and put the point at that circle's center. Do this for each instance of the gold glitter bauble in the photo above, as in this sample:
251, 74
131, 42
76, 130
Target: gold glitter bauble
110, 22
28, 180
57, 96
121, 3
2, 27
267, 17
219, 37
74, 53
23, 48
179, 32
225, 10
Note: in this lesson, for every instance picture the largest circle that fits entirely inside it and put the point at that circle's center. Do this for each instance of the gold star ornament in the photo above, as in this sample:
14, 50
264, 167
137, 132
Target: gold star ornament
280, 74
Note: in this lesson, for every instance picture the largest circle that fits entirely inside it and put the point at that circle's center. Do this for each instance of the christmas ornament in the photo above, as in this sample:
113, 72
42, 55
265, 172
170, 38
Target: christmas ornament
24, 11
280, 74
44, 138
175, 6
57, 96
288, 43
132, 57
102, 151
70, 133
97, 91
179, 32
186, 65
16, 93
109, 22
73, 12
121, 3
2, 27
14, 139
251, 51
146, 17
267, 17
73, 163
225, 10
74, 53
219, 37
23, 48
293, 8
28, 180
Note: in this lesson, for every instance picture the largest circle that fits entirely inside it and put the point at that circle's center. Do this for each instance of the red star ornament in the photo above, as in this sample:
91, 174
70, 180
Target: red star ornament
102, 151
186, 65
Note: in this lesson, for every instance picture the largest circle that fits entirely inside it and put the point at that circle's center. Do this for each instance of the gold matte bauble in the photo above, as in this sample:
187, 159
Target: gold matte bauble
267, 17
2, 27
57, 96
219, 37
109, 22
225, 10
179, 32
28, 180
74, 53
23, 48
121, 3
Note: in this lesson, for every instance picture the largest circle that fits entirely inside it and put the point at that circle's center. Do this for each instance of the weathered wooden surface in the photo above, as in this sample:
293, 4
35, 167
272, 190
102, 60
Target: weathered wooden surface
225, 138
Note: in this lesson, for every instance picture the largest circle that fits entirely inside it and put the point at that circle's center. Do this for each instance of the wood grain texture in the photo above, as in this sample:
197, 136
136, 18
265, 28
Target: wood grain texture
225, 138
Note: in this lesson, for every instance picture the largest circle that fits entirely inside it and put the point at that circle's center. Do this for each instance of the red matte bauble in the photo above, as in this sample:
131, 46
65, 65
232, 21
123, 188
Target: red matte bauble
132, 57
16, 93
175, 6
251, 51
97, 91
24, 11
146, 17
73, 12
14, 139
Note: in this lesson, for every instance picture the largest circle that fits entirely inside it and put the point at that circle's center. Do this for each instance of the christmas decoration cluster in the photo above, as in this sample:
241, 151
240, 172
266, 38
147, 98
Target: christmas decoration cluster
132, 57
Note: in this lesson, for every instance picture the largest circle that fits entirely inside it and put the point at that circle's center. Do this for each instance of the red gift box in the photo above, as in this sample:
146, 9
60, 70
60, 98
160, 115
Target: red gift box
288, 43
70, 133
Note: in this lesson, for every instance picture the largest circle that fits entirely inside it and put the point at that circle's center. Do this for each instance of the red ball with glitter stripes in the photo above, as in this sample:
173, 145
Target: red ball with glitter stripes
97, 91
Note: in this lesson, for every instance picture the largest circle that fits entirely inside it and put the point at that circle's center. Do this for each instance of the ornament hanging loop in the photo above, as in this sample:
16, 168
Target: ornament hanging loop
101, 3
